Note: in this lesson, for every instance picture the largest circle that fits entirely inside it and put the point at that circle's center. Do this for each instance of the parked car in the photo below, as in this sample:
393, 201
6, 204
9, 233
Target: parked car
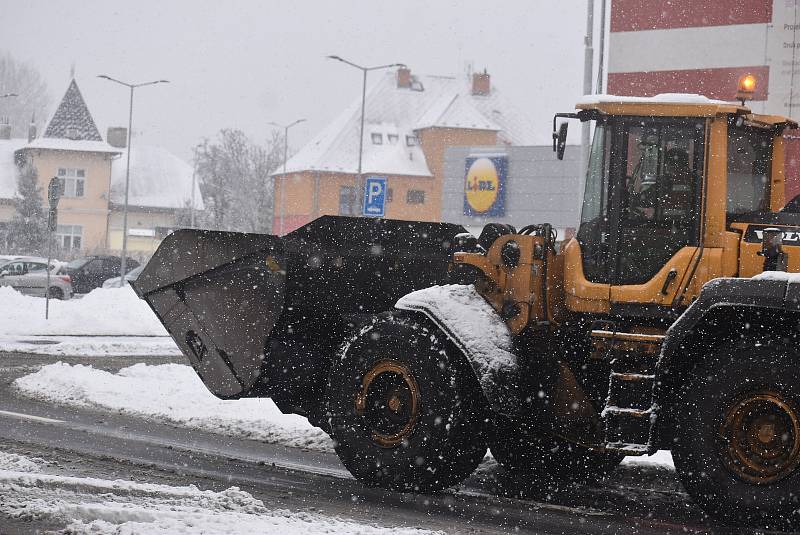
89, 272
28, 275
132, 275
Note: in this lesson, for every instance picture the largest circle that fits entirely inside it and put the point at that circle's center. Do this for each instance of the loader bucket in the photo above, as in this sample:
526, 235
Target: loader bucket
218, 294
262, 315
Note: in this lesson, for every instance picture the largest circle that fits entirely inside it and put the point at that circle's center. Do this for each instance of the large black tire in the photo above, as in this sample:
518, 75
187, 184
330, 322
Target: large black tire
738, 438
551, 460
404, 412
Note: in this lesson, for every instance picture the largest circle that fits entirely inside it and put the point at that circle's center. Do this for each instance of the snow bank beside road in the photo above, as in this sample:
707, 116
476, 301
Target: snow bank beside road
91, 346
171, 393
99, 506
104, 311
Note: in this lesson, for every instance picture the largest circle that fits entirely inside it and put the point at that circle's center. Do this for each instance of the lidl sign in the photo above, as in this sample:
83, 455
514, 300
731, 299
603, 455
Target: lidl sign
484, 186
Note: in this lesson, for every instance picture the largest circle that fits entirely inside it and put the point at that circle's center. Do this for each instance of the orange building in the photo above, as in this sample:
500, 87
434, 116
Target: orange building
409, 122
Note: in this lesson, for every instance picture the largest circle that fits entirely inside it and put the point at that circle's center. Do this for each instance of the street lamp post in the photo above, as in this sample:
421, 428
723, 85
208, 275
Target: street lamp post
284, 177
364, 71
194, 181
123, 265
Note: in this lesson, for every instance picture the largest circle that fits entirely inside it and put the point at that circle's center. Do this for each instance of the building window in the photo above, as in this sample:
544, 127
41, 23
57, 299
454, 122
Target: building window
389, 194
392, 138
411, 141
415, 196
69, 236
347, 200
377, 139
72, 181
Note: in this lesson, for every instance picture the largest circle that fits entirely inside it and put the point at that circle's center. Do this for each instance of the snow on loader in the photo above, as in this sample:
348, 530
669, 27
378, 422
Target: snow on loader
417, 346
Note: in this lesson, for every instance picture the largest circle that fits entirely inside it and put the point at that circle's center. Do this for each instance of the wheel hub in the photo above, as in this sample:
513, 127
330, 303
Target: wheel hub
760, 436
389, 402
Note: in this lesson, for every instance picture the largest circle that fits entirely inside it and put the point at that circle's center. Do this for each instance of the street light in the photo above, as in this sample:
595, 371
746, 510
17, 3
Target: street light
194, 182
123, 265
285, 153
364, 70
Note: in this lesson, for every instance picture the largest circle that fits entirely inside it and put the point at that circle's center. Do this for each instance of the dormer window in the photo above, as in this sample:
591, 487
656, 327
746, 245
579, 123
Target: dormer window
71, 132
392, 139
411, 141
377, 138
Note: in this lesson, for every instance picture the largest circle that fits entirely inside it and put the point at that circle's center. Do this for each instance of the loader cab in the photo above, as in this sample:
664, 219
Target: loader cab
666, 178
641, 203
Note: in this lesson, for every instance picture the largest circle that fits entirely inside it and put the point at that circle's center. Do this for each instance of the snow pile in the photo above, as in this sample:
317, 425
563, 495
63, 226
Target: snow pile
778, 276
661, 458
175, 394
20, 463
661, 98
91, 346
478, 329
103, 311
99, 506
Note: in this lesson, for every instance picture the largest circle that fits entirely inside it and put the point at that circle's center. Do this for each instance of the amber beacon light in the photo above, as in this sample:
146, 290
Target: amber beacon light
746, 88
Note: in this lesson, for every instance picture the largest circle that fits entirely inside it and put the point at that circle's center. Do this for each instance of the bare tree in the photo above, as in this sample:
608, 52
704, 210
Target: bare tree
234, 179
33, 97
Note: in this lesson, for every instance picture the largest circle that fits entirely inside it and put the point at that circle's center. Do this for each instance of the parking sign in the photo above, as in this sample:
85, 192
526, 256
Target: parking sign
374, 196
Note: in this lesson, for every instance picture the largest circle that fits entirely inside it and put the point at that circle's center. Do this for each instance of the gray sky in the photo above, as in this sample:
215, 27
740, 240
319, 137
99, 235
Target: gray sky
243, 64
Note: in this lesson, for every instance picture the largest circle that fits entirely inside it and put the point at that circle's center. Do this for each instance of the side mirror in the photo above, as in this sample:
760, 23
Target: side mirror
560, 140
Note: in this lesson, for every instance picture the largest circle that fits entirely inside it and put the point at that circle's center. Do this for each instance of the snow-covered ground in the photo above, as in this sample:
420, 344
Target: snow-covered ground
103, 311
106, 321
176, 395
100, 506
91, 346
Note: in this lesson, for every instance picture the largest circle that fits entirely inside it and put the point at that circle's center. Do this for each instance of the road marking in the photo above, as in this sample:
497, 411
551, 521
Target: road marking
30, 417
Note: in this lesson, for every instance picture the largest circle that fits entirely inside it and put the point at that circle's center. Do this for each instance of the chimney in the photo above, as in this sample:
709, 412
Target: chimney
32, 129
481, 83
117, 136
5, 128
404, 77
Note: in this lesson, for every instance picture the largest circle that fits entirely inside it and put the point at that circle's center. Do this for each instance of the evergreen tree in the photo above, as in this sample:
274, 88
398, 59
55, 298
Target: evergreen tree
27, 231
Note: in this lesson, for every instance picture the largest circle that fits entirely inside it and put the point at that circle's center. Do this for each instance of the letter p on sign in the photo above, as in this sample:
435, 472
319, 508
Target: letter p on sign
374, 196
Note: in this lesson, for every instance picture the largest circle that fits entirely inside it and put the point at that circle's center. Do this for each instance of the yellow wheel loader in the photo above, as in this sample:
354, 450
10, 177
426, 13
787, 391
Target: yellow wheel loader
417, 346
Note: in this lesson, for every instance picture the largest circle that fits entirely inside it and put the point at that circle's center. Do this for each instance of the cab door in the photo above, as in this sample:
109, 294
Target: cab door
655, 222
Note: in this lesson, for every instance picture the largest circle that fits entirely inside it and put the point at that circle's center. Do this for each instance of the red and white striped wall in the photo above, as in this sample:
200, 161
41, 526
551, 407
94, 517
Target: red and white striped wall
704, 47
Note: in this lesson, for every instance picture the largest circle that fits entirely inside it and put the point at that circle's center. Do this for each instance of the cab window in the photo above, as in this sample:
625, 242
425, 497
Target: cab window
661, 165
749, 169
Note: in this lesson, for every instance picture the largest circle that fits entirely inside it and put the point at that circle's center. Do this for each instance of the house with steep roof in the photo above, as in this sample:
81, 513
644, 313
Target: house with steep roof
409, 122
93, 174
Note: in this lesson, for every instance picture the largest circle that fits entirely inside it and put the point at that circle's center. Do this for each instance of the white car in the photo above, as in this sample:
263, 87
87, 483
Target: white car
28, 275
132, 275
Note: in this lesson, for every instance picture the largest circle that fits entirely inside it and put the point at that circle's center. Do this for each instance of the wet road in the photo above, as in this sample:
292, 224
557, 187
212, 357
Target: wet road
94, 443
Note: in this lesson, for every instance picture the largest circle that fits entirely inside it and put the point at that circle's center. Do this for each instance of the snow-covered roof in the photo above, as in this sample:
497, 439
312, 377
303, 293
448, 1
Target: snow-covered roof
72, 119
72, 127
159, 179
397, 113
8, 168
78, 145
